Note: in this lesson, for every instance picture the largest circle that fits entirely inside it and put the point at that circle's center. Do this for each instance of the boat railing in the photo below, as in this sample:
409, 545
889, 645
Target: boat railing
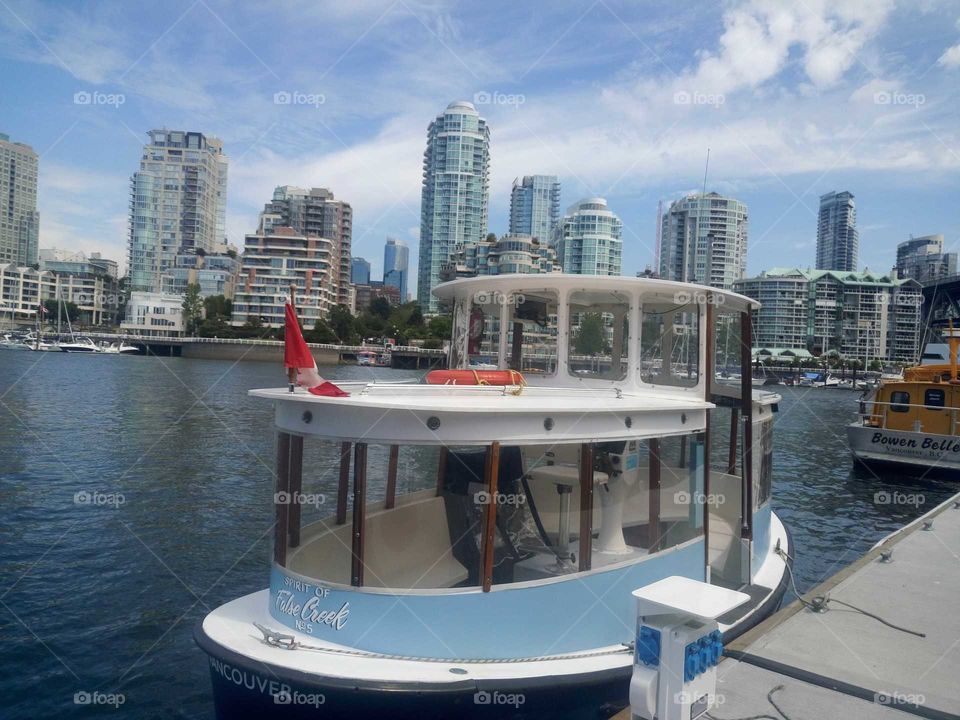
387, 388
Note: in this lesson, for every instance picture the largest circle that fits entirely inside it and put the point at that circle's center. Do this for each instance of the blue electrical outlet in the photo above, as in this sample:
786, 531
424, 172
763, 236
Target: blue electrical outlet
648, 646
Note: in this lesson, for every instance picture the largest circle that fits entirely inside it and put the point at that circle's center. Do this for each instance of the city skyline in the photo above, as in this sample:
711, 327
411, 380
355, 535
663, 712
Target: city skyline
876, 118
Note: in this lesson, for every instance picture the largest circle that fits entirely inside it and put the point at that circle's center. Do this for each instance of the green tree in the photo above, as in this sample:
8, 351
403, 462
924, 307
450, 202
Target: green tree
343, 324
217, 306
321, 333
192, 309
591, 338
380, 307
440, 326
69, 310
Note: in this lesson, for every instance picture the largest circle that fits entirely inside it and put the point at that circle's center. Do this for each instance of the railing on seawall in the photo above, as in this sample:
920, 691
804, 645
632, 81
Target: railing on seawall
180, 340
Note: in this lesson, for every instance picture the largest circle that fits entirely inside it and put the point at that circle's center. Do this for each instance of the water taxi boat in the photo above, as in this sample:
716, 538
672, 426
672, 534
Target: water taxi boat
486, 529
911, 422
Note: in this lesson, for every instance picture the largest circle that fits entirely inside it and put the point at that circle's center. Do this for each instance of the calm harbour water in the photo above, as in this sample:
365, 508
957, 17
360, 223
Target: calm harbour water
103, 596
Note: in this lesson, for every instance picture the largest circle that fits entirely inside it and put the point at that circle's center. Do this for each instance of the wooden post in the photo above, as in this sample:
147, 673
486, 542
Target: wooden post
746, 414
707, 370
653, 523
732, 455
359, 511
441, 469
586, 506
391, 498
281, 499
344, 481
296, 488
491, 472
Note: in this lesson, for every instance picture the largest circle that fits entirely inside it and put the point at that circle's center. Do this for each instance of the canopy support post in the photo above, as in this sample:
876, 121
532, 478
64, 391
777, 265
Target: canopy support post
282, 492
296, 488
653, 522
359, 511
343, 483
491, 472
732, 456
584, 558
391, 499
746, 416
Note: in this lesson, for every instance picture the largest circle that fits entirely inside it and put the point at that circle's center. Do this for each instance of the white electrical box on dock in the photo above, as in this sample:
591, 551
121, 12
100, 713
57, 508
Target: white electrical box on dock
678, 647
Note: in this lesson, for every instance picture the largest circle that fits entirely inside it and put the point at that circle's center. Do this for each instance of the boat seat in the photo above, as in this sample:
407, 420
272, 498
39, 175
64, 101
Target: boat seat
558, 465
405, 547
409, 547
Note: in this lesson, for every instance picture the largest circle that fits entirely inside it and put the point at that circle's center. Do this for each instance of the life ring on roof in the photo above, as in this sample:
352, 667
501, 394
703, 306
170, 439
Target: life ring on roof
475, 377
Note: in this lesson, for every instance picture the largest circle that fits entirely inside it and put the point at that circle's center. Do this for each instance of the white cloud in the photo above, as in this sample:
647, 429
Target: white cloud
951, 58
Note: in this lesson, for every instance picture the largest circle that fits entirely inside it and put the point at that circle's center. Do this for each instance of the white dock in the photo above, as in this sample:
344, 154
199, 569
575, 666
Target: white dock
841, 663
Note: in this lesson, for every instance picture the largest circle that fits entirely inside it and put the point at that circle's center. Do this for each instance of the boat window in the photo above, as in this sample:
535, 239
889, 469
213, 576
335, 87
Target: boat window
532, 332
483, 329
670, 344
425, 514
900, 401
599, 335
934, 398
763, 479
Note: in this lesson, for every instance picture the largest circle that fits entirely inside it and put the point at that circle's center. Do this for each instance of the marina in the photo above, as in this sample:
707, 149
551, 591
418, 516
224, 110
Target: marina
333, 565
835, 515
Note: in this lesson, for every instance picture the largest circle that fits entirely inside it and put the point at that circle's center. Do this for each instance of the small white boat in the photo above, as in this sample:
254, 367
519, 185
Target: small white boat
80, 345
120, 348
530, 507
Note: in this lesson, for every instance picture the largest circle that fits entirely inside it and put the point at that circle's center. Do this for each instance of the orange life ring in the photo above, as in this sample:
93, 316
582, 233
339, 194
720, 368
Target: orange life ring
475, 377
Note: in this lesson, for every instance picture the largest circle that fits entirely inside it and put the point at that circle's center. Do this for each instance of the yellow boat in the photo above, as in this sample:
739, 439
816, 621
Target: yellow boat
911, 423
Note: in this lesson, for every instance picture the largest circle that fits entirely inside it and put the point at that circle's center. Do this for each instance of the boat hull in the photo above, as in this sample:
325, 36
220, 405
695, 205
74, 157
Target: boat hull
916, 452
245, 687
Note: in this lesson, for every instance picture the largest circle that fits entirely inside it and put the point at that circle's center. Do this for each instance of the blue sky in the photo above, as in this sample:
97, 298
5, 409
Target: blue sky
621, 99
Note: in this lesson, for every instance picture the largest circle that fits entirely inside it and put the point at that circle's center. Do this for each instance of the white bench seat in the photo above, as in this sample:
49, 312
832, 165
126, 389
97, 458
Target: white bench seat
407, 547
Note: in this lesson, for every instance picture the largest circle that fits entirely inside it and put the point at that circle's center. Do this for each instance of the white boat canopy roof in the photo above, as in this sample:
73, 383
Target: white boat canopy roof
649, 289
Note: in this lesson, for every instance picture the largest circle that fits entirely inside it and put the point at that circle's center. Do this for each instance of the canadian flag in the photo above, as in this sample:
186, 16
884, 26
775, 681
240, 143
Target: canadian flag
296, 356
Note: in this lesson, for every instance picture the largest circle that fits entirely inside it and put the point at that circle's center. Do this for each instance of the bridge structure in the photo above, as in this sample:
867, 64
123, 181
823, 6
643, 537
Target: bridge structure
941, 304
401, 356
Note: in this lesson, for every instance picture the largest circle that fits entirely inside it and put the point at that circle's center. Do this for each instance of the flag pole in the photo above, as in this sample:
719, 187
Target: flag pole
292, 372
